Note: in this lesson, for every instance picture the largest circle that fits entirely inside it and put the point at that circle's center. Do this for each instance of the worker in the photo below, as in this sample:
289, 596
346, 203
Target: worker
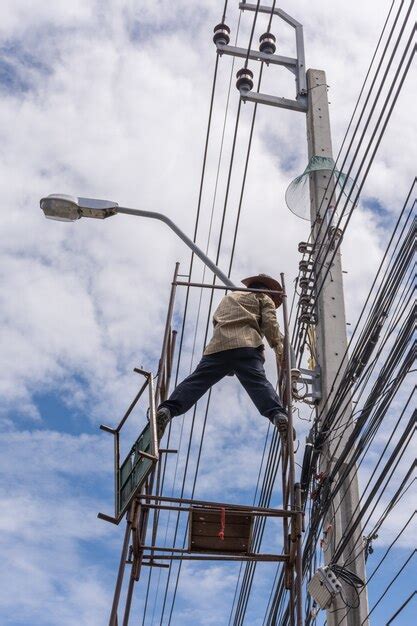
240, 322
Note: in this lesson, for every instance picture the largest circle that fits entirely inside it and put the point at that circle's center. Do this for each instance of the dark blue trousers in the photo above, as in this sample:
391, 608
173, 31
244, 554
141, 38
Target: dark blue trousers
246, 363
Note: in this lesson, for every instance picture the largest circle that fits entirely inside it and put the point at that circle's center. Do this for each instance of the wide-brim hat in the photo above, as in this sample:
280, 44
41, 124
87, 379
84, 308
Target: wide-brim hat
269, 282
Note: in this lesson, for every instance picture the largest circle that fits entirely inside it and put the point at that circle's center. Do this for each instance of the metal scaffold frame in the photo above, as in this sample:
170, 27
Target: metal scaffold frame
146, 497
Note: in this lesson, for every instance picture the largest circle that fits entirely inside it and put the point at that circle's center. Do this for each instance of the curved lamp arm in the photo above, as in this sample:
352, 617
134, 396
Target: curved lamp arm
163, 218
71, 208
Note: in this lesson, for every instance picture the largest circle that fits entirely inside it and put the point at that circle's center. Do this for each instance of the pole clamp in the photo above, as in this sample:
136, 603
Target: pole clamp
311, 392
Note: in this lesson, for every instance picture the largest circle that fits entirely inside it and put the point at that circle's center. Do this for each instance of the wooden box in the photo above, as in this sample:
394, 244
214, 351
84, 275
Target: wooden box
205, 526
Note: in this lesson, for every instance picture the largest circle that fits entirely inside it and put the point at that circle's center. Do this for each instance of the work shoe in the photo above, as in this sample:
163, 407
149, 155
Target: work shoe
163, 417
280, 420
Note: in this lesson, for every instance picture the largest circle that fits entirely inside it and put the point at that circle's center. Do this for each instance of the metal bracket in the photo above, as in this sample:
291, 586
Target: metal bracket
300, 73
284, 103
312, 380
295, 66
255, 55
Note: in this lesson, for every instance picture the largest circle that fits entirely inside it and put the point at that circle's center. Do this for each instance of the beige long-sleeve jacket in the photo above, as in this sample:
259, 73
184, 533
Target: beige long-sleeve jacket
242, 320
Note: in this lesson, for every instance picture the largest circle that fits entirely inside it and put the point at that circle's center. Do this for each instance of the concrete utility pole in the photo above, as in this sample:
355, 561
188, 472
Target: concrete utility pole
331, 347
311, 98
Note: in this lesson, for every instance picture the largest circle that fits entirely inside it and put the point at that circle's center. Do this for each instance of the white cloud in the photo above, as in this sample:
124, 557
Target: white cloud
114, 105
47, 517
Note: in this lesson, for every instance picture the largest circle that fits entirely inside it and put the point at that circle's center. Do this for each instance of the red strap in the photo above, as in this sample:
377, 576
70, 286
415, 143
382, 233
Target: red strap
222, 523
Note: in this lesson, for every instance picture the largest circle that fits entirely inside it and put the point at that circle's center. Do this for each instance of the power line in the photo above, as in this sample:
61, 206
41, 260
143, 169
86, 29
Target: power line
381, 597
381, 561
404, 258
402, 607
334, 244
377, 143
355, 110
255, 108
184, 317
365, 164
251, 34
205, 339
231, 260
386, 284
272, 460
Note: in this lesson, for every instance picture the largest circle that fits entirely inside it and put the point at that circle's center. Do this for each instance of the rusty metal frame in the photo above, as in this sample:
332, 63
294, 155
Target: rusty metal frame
237, 509
168, 346
291, 490
183, 283
137, 515
144, 503
153, 456
187, 505
274, 558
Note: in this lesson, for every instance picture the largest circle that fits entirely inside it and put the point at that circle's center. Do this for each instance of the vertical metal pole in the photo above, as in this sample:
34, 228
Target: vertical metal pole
332, 344
289, 454
122, 565
284, 465
152, 418
156, 512
137, 559
129, 598
300, 76
172, 344
298, 558
290, 443
116, 472
166, 340
292, 622
284, 499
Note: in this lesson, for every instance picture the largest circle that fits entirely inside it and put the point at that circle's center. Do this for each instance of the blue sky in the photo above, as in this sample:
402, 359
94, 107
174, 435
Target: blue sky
110, 100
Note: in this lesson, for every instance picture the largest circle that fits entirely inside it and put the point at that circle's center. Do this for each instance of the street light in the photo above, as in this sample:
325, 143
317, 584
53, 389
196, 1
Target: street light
71, 208
66, 208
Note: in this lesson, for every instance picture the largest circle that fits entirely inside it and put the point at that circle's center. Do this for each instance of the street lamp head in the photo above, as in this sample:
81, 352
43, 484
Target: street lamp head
70, 208
61, 207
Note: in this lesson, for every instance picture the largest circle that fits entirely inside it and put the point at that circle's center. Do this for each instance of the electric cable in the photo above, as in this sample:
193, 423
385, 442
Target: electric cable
205, 339
406, 292
332, 395
184, 317
347, 375
332, 243
217, 257
356, 108
388, 550
242, 606
402, 607
373, 107
251, 34
384, 126
346, 471
381, 597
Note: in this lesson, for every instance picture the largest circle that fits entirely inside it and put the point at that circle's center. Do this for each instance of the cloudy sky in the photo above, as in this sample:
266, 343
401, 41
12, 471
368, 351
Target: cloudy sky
110, 100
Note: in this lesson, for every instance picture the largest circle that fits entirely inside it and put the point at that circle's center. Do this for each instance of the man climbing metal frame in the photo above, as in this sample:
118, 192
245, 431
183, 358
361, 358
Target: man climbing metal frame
241, 321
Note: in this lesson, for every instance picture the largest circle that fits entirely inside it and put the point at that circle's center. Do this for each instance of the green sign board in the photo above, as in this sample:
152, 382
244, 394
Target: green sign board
134, 470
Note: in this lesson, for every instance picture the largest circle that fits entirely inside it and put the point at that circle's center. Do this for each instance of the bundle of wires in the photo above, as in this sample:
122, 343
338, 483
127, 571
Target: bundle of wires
350, 578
